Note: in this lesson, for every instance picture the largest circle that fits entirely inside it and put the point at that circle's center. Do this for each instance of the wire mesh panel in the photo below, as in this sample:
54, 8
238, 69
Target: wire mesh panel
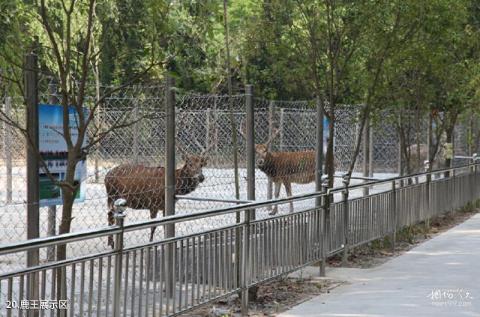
173, 275
204, 130
346, 134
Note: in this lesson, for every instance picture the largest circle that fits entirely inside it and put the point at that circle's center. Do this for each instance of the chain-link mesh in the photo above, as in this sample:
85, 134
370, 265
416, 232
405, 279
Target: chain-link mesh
203, 130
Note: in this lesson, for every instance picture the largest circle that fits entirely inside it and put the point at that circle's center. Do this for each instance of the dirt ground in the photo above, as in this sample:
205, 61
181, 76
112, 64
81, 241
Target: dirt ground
280, 295
272, 298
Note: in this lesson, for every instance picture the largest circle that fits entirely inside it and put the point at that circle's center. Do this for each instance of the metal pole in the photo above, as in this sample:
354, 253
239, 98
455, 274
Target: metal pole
346, 221
170, 181
318, 170
208, 128
8, 149
427, 193
366, 152
249, 214
371, 151
400, 160
215, 128
271, 111
33, 219
135, 134
282, 129
120, 207
250, 150
52, 210
394, 216
326, 226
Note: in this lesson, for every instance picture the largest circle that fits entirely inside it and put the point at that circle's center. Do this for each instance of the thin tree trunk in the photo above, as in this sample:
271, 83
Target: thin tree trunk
230, 101
68, 198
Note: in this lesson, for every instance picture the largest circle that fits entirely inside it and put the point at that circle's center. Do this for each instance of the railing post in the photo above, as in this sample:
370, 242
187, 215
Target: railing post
366, 153
346, 220
318, 171
399, 149
215, 128
394, 216
326, 226
282, 129
474, 177
170, 183
120, 207
249, 214
52, 210
454, 185
271, 111
8, 149
208, 128
427, 194
33, 195
136, 129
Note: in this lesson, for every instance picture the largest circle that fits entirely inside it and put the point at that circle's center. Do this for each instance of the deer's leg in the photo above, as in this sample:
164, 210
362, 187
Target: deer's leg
269, 191
277, 194
153, 215
288, 189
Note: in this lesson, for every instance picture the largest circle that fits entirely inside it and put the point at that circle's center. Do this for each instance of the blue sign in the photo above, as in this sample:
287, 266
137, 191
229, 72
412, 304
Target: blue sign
326, 133
54, 151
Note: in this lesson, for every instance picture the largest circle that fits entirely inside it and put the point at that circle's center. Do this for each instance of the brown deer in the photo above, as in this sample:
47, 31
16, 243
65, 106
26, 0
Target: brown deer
143, 187
284, 167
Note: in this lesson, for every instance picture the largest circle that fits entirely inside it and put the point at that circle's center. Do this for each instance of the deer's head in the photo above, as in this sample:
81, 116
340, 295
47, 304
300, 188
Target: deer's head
193, 166
262, 149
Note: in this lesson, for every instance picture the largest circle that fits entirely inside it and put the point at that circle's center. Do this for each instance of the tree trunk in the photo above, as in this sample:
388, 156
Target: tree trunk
65, 225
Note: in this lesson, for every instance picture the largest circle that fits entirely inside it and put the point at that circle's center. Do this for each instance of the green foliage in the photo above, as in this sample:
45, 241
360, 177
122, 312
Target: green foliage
421, 54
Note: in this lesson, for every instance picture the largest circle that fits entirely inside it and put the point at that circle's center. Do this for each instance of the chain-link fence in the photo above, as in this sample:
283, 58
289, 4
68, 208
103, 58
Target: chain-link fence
204, 129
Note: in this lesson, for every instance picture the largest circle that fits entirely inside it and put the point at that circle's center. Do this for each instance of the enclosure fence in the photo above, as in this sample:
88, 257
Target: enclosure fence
204, 248
204, 122
174, 275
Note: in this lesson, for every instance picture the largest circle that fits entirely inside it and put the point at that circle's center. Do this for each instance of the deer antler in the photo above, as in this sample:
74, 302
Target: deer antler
242, 129
276, 132
274, 135
207, 149
180, 145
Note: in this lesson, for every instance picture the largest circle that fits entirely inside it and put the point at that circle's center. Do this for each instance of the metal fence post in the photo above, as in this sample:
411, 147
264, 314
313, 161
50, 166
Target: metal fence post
215, 128
346, 220
8, 149
136, 130
394, 216
250, 150
271, 111
325, 232
318, 170
282, 129
120, 207
400, 154
33, 230
371, 150
366, 153
249, 214
208, 127
427, 193
52, 210
170, 182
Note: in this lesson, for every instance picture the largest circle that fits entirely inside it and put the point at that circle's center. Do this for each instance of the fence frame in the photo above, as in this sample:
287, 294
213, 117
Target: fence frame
465, 176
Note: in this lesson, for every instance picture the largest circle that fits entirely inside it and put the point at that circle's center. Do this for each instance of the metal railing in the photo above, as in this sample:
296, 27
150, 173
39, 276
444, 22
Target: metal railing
204, 266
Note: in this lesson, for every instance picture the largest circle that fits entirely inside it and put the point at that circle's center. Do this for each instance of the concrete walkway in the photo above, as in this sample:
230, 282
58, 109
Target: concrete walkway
440, 277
